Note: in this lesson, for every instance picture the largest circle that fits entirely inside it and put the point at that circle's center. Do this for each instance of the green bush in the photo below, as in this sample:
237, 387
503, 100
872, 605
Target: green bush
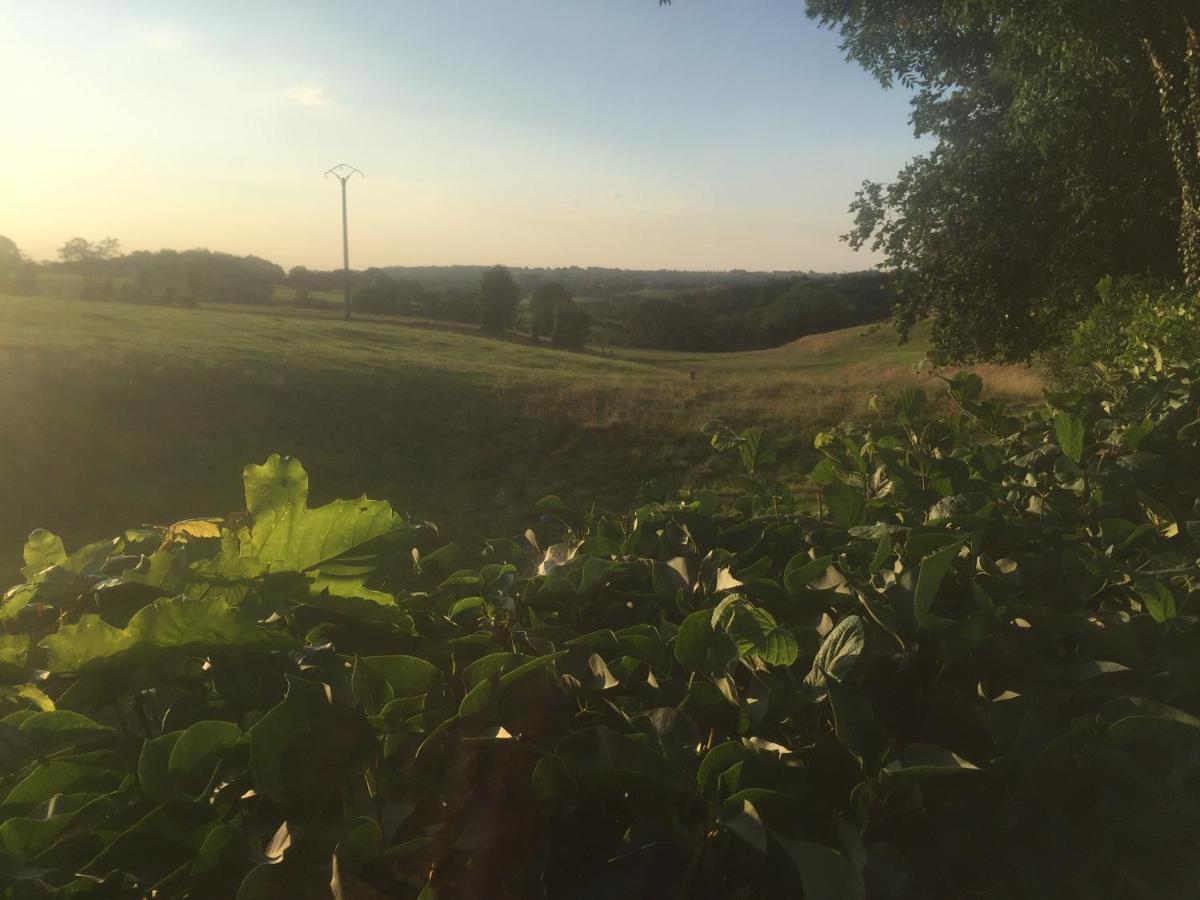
1137, 322
972, 669
498, 298
571, 325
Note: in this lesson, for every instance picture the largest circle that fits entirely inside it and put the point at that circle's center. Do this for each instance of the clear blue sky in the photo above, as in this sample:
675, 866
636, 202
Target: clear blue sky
708, 134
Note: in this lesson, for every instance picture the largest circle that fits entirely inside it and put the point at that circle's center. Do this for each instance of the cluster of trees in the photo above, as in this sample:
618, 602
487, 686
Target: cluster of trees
1068, 149
736, 311
591, 282
18, 274
752, 316
195, 276
494, 302
552, 309
170, 277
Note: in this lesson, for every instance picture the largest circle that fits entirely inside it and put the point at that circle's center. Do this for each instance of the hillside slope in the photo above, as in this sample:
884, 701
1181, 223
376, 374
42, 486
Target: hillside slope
116, 415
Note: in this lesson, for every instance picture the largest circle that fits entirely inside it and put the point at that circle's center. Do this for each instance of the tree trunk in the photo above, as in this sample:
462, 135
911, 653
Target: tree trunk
1176, 68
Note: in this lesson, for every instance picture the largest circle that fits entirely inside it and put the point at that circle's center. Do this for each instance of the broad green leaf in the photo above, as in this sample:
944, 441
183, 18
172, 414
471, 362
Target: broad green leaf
287, 535
466, 604
1158, 600
362, 844
927, 761
50, 778
551, 779
155, 845
154, 768
744, 821
847, 506
221, 845
552, 503
42, 550
350, 597
168, 627
334, 739
824, 873
929, 578
801, 569
61, 728
856, 726
24, 837
1069, 431
16, 599
198, 750
910, 403
758, 635
965, 387
882, 551
525, 669
408, 676
14, 655
839, 652
606, 756
1137, 718
719, 759
700, 649
480, 701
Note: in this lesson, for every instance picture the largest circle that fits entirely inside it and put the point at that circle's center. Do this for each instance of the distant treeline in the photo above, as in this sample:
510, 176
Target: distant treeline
98, 271
749, 316
666, 309
585, 281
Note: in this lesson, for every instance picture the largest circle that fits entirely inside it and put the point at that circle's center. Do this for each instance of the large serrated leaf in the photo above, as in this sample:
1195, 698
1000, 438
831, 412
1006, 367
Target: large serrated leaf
173, 627
287, 535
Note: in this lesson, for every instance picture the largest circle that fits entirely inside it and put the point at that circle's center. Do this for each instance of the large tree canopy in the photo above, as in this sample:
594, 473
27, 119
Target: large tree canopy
498, 298
1068, 148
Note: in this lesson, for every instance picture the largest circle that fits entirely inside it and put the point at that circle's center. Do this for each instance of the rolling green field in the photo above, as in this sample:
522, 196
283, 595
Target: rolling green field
114, 415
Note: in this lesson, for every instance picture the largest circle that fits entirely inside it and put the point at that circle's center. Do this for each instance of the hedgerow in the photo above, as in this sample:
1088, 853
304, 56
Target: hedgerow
971, 670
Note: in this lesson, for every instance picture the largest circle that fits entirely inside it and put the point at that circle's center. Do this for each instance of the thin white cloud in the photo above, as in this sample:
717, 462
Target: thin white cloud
308, 94
610, 195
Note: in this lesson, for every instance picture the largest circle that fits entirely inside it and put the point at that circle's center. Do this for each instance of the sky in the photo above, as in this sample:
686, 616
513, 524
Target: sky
710, 134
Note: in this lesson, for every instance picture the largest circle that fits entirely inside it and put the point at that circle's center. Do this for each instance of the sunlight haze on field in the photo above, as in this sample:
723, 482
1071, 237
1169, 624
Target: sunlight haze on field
704, 135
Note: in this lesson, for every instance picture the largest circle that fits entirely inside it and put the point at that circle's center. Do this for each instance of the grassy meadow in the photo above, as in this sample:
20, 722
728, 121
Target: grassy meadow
114, 415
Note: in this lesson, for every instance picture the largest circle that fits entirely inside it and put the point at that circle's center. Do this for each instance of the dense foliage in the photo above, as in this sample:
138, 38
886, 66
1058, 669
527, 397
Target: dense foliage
498, 299
1068, 149
543, 301
972, 670
18, 275
752, 315
1134, 322
571, 325
170, 277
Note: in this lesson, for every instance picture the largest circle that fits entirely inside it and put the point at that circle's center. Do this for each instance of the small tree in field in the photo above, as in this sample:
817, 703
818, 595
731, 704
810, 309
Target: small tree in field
498, 296
542, 303
571, 324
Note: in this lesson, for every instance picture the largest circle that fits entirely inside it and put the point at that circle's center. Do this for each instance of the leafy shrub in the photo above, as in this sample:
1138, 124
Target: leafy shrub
498, 298
1135, 319
543, 304
571, 325
973, 670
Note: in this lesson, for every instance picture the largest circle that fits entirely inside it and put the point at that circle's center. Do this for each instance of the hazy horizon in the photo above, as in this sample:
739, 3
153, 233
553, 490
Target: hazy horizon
692, 137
